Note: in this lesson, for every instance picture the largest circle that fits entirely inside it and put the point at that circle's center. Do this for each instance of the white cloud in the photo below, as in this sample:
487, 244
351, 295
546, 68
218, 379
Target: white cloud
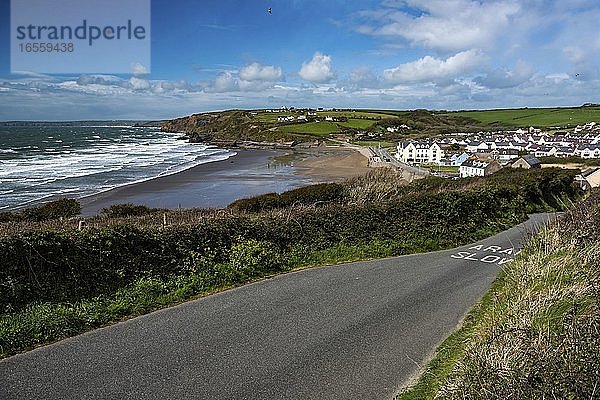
225, 82
430, 68
139, 84
575, 54
258, 72
139, 69
231, 81
446, 25
98, 80
317, 70
503, 78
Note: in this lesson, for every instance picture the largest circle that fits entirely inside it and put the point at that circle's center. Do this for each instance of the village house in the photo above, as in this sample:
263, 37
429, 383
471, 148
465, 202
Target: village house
477, 167
505, 155
588, 151
393, 129
527, 162
589, 179
502, 146
290, 118
455, 160
419, 152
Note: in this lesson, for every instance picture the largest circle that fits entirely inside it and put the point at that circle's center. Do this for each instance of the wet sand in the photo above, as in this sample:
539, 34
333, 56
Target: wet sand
247, 174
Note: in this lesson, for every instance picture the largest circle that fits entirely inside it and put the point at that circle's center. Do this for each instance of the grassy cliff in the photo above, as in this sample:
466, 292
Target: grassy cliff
263, 126
232, 126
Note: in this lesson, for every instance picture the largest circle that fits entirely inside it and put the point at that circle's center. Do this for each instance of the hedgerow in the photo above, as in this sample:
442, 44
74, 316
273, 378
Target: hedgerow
53, 265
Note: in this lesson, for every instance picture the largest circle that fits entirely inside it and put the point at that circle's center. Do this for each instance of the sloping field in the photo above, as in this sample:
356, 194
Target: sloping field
542, 117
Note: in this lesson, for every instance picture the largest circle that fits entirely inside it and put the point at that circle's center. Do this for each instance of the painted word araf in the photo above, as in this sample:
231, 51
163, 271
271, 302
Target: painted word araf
500, 255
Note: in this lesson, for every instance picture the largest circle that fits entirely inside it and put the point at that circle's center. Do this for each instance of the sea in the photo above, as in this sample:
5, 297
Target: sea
42, 161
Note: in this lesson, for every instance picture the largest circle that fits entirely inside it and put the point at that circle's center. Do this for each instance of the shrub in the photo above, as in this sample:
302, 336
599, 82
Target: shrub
127, 210
62, 208
52, 265
7, 216
266, 201
253, 257
307, 195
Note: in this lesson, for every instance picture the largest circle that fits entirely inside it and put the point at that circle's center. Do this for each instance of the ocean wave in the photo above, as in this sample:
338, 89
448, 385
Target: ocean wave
90, 166
228, 154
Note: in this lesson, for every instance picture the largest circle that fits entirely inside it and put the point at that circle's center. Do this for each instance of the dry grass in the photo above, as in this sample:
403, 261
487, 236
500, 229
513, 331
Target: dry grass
377, 186
540, 335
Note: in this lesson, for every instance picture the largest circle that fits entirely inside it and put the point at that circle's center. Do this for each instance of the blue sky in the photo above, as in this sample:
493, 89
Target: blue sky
392, 54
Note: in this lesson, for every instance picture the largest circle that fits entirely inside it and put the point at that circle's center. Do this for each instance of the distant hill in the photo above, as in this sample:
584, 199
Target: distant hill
305, 125
271, 126
229, 125
567, 117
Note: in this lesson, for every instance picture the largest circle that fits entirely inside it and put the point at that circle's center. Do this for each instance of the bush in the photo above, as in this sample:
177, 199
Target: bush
62, 208
253, 257
266, 201
306, 195
127, 210
7, 216
51, 265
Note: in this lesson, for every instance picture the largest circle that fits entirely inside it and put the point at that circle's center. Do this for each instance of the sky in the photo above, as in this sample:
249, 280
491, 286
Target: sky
388, 54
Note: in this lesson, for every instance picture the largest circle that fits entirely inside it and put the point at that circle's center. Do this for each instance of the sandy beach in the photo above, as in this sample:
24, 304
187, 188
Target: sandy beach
330, 164
249, 173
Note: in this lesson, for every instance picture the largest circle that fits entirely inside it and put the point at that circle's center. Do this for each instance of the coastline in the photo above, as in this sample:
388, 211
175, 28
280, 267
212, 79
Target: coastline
249, 173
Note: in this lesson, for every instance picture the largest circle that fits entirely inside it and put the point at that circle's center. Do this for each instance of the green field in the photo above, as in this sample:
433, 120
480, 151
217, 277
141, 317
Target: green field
272, 117
357, 123
542, 117
321, 128
374, 115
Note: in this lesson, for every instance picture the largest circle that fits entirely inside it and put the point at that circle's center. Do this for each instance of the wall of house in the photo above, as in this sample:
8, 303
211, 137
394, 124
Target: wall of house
594, 179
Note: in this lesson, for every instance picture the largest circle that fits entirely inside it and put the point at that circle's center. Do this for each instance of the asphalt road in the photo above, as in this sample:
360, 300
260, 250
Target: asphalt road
354, 331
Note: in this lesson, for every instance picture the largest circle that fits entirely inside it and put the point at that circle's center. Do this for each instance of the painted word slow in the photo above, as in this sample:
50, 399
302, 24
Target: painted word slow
489, 254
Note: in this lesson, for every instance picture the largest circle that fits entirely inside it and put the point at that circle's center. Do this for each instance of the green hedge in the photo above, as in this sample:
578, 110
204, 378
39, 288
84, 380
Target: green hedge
306, 195
50, 266
62, 208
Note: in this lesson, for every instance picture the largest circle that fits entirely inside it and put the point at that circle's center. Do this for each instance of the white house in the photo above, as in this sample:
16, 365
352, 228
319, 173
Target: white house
589, 178
476, 167
506, 154
457, 159
588, 151
476, 147
419, 152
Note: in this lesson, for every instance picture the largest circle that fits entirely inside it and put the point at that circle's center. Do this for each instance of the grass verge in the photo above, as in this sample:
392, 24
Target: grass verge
46, 322
536, 333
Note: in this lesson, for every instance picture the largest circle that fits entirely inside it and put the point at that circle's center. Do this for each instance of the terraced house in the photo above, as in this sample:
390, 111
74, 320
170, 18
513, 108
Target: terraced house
476, 167
420, 152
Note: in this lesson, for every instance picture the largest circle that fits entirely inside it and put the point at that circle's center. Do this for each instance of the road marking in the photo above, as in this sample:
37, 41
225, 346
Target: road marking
500, 255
